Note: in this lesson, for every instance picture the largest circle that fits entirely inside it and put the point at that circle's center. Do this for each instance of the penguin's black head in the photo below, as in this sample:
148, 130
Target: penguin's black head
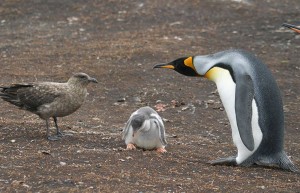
183, 65
137, 121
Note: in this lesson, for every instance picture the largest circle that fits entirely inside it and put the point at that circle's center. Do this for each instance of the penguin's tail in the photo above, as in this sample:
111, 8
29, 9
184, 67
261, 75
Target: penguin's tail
286, 164
280, 160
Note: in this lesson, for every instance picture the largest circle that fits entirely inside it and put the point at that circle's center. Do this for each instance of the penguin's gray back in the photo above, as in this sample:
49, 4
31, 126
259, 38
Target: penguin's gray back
270, 115
146, 111
266, 95
140, 116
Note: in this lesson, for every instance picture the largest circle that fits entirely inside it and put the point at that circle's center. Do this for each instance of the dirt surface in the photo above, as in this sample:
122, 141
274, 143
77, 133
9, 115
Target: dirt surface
118, 42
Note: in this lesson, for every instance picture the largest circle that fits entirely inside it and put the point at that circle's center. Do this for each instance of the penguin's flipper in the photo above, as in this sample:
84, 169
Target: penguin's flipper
126, 128
161, 130
228, 161
244, 95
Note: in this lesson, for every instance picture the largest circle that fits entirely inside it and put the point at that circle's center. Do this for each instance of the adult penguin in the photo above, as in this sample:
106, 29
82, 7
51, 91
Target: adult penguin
252, 101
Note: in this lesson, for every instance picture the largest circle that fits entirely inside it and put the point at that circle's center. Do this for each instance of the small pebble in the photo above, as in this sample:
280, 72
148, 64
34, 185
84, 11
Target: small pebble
62, 163
121, 100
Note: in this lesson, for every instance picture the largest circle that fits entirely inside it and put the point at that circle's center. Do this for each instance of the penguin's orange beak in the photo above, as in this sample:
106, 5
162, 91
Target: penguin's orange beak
292, 27
170, 66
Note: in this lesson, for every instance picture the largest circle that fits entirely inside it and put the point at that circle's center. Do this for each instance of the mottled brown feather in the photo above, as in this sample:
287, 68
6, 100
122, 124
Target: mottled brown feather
49, 99
37, 95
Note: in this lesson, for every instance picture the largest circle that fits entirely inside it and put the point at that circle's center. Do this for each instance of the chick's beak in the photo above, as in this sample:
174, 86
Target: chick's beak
134, 133
165, 65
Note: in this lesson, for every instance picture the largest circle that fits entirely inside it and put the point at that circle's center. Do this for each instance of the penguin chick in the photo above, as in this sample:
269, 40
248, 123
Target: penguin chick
145, 129
252, 101
49, 99
292, 27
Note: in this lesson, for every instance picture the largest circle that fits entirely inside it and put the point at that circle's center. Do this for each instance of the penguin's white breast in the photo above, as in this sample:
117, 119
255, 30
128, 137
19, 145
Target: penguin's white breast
226, 88
148, 136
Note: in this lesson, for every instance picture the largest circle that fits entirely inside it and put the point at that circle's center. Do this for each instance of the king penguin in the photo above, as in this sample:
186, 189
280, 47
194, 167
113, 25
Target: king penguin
252, 102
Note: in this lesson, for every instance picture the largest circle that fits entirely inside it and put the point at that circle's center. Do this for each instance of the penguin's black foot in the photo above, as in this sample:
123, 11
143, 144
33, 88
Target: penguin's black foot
228, 161
60, 134
54, 138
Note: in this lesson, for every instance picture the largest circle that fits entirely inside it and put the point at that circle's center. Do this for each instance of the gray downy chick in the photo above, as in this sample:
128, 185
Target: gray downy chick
49, 99
145, 129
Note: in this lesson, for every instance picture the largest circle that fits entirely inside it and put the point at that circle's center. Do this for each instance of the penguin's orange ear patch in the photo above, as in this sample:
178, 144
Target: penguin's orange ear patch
189, 62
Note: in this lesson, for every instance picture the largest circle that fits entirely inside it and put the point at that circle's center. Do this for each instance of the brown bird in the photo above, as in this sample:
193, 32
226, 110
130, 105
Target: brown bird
49, 99
292, 27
